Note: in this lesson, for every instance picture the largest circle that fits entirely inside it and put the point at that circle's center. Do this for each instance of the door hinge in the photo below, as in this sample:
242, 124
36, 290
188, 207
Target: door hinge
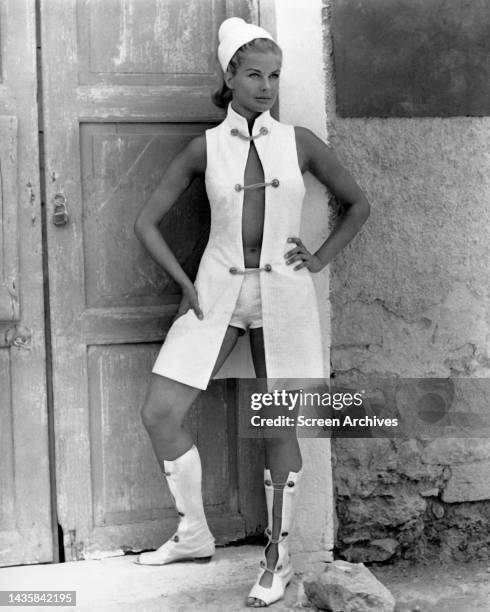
76, 548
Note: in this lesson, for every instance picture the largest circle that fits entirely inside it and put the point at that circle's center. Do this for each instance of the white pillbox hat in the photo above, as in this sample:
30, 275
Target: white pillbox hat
232, 34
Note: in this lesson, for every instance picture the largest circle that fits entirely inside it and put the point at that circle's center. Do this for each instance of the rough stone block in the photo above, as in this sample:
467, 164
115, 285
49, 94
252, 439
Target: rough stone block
375, 550
348, 587
456, 450
468, 482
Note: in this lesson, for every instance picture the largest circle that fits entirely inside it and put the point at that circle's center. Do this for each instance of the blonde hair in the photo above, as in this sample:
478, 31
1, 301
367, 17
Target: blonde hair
223, 95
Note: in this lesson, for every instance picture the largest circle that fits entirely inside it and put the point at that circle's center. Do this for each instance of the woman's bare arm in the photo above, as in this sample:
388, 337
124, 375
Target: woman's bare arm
314, 155
189, 163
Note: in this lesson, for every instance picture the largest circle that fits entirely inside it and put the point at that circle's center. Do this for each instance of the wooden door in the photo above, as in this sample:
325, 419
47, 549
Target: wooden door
126, 84
25, 518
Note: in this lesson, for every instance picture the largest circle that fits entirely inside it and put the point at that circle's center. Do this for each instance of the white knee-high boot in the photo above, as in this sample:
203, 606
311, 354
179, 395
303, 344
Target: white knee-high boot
192, 540
283, 570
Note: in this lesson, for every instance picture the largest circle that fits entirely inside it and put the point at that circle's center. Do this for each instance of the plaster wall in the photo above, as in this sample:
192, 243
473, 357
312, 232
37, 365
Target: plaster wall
304, 63
409, 298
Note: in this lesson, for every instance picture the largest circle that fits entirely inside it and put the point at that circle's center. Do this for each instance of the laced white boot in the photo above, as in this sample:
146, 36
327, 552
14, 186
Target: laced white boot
282, 572
192, 540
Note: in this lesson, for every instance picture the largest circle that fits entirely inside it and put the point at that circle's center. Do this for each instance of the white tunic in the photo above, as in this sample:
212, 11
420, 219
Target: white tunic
291, 327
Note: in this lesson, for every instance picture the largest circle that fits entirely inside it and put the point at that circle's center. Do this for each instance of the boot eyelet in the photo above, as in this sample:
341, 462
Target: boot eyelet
181, 514
167, 473
234, 132
279, 567
176, 538
284, 533
262, 564
290, 483
268, 531
264, 130
275, 182
267, 483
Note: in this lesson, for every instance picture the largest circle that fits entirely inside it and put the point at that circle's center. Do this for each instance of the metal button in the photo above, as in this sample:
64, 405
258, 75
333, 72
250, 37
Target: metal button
238, 187
275, 182
233, 270
267, 267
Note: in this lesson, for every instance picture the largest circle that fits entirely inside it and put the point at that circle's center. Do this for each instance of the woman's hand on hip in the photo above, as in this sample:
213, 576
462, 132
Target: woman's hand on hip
300, 253
189, 300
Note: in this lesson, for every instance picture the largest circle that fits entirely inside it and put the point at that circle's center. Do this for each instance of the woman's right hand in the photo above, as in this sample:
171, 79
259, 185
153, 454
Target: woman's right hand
189, 300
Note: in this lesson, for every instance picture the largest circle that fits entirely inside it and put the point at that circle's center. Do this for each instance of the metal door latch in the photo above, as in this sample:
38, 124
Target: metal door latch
18, 336
60, 215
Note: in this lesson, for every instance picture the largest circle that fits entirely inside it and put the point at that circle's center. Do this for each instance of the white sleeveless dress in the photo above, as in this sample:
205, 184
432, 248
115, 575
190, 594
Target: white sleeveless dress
291, 327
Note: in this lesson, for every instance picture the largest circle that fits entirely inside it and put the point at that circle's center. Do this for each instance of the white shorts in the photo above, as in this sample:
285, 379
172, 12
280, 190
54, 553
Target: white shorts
247, 313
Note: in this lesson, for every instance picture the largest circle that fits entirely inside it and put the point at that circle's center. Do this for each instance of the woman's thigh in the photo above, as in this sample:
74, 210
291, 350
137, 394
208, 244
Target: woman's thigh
229, 341
166, 397
258, 352
272, 433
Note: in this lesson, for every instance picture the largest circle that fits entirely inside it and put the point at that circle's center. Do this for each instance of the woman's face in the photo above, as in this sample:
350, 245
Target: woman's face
255, 84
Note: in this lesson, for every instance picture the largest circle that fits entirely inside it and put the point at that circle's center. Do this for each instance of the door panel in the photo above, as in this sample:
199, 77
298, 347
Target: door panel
122, 164
25, 509
155, 42
126, 85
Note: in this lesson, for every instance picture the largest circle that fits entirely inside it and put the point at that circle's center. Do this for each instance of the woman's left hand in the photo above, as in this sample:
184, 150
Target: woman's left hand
301, 253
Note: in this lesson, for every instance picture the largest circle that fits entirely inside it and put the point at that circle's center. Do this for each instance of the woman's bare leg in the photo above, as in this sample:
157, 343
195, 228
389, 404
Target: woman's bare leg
166, 404
282, 455
165, 407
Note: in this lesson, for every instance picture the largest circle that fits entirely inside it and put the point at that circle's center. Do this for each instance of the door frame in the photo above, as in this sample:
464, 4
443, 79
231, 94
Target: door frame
27, 534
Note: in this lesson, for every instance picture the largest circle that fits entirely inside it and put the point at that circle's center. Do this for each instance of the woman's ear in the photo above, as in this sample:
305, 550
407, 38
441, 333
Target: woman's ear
228, 79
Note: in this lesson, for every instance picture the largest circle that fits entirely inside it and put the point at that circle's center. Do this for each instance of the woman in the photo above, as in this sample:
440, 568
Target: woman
255, 276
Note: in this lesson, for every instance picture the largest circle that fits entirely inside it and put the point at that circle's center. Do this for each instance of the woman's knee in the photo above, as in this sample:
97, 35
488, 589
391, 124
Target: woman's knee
166, 403
158, 413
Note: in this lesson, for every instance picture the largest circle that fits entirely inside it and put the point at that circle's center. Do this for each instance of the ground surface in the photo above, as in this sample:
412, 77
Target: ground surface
116, 584
436, 588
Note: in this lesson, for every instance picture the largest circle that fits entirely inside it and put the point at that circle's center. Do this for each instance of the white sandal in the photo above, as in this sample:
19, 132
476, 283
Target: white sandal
192, 540
283, 571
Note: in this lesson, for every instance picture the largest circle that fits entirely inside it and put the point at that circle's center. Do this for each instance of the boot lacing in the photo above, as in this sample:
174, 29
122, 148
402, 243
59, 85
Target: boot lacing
277, 486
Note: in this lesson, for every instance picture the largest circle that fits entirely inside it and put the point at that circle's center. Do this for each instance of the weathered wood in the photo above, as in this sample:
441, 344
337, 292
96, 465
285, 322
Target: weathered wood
9, 236
25, 518
118, 105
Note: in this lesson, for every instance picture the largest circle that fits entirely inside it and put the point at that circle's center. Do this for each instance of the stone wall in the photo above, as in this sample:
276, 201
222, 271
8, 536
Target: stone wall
410, 299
